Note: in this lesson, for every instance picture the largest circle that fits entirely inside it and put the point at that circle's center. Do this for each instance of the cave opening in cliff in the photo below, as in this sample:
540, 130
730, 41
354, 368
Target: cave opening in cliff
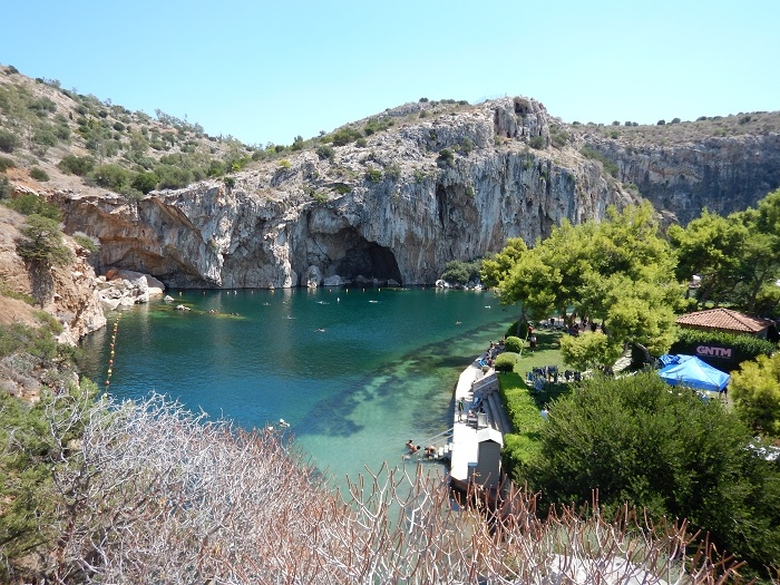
368, 260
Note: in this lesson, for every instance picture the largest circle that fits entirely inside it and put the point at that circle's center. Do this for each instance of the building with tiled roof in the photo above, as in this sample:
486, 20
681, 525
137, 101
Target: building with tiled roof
726, 320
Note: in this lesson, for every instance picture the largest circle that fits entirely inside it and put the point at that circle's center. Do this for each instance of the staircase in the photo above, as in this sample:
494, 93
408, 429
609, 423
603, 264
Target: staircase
486, 394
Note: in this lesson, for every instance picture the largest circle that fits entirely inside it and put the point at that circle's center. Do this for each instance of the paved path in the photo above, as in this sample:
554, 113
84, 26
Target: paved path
465, 446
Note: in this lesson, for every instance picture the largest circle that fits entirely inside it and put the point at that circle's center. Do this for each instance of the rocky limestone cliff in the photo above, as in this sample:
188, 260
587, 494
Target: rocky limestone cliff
682, 171
453, 185
73, 300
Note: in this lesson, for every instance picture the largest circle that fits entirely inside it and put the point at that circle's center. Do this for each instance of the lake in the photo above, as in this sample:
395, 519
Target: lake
355, 372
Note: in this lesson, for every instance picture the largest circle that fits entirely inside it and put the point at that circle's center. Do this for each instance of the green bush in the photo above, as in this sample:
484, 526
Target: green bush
6, 189
373, 175
609, 166
173, 177
8, 141
537, 142
513, 344
144, 181
505, 362
87, 243
6, 163
325, 151
344, 136
76, 165
445, 158
31, 204
110, 176
39, 174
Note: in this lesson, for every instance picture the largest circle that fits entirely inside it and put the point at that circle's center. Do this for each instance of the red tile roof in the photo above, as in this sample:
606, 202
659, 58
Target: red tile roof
724, 320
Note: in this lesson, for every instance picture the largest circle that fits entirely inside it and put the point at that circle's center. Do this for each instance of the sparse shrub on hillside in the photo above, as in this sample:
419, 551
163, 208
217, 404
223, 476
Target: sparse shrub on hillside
344, 136
6, 163
144, 181
110, 176
361, 142
445, 158
373, 175
87, 243
609, 166
8, 141
39, 174
76, 165
6, 189
661, 122
466, 146
375, 125
537, 142
31, 204
172, 177
393, 171
325, 151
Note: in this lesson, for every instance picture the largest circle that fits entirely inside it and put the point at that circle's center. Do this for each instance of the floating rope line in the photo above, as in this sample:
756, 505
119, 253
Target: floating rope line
111, 355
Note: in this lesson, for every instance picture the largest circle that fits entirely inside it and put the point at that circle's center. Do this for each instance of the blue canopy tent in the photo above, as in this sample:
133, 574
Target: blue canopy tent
688, 370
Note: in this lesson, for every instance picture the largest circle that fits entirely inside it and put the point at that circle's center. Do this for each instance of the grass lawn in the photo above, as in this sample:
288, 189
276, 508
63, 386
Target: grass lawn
524, 406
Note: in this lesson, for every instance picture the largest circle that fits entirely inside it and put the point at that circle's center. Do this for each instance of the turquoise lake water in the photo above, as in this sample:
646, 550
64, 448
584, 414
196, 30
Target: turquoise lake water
355, 372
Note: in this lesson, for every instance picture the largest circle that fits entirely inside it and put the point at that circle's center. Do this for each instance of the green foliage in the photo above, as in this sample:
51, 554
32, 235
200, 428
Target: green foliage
610, 167
737, 258
8, 141
522, 446
42, 242
513, 344
589, 350
325, 151
460, 273
87, 243
110, 176
25, 480
375, 125
39, 174
537, 142
29, 204
393, 171
505, 362
755, 390
373, 175
445, 158
669, 452
144, 181
620, 271
76, 165
6, 163
173, 177
6, 189
344, 136
297, 143
466, 146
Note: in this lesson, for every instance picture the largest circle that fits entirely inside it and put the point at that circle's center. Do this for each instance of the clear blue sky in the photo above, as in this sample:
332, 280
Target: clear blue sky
269, 71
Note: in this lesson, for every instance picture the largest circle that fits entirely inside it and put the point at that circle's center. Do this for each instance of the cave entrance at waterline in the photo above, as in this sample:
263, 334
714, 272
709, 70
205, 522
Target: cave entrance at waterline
369, 261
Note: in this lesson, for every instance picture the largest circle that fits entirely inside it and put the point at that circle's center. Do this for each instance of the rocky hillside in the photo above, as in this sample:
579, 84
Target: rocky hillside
389, 199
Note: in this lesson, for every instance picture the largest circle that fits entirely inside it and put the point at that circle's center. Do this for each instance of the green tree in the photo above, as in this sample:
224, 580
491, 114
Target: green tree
619, 271
669, 452
589, 350
755, 390
41, 242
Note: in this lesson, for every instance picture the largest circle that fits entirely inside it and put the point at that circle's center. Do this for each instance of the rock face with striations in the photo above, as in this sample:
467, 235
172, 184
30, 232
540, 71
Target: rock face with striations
439, 184
723, 164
